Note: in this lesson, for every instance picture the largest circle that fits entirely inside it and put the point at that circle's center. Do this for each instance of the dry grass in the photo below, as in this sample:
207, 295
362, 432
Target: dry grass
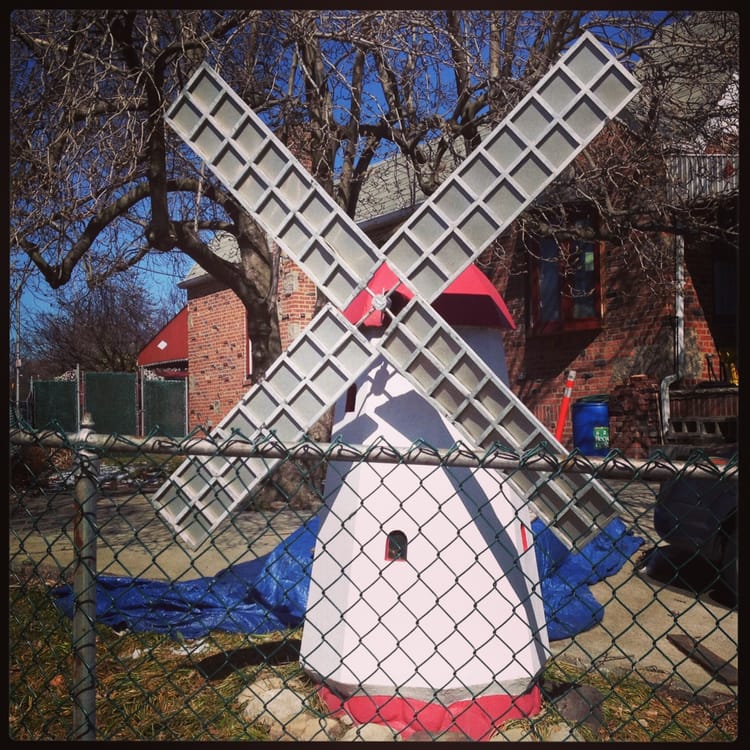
150, 687
636, 710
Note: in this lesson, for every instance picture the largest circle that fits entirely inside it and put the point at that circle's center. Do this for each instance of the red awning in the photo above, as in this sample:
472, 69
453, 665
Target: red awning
169, 345
470, 300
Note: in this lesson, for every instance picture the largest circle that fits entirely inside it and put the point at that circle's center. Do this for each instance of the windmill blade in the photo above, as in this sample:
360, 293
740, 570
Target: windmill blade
272, 185
553, 123
450, 374
298, 389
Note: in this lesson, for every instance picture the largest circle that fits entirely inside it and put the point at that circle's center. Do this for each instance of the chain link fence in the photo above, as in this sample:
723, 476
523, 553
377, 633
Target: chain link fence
119, 632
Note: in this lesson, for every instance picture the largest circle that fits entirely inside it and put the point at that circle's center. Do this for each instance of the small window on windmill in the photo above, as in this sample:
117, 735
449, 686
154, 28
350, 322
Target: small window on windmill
395, 548
351, 398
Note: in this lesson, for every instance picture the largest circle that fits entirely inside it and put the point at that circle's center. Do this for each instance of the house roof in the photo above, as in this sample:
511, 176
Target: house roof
169, 345
222, 244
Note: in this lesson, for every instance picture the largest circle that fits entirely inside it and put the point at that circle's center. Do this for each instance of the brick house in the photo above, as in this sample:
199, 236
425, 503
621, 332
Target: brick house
656, 358
659, 359
628, 353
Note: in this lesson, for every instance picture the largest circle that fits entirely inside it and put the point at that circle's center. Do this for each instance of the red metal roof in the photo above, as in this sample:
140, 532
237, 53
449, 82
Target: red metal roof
169, 345
470, 300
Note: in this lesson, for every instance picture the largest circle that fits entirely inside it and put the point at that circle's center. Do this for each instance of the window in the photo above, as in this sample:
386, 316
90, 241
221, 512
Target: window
565, 279
351, 398
395, 546
249, 348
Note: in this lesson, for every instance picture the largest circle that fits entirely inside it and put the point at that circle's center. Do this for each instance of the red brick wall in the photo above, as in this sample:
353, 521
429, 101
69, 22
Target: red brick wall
699, 305
217, 352
636, 338
704, 402
295, 300
217, 341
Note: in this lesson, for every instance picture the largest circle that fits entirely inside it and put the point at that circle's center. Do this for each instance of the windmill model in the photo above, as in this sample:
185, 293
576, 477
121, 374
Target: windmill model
422, 594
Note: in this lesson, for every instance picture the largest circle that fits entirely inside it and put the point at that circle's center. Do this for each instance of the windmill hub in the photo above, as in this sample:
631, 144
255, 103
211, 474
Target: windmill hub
381, 301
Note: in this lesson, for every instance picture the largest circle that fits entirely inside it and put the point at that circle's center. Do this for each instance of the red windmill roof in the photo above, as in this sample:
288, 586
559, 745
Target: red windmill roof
470, 300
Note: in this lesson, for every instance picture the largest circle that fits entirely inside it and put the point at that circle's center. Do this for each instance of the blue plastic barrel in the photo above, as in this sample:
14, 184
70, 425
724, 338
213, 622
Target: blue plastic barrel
591, 425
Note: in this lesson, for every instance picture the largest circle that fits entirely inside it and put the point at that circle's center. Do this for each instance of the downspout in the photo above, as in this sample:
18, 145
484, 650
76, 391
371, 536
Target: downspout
679, 334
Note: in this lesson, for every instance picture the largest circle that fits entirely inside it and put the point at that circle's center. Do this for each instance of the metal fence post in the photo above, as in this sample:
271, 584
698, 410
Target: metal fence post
84, 588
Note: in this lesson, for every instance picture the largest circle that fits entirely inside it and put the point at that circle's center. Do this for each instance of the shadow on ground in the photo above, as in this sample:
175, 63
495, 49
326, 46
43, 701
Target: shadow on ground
682, 570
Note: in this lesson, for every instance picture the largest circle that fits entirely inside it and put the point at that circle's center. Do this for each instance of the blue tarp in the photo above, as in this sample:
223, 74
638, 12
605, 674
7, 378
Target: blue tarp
270, 593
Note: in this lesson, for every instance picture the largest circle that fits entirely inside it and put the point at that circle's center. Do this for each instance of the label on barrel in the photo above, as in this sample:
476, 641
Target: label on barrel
601, 437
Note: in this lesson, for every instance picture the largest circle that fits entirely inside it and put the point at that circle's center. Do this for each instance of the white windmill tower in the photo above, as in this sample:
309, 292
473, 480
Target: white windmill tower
521, 156
414, 562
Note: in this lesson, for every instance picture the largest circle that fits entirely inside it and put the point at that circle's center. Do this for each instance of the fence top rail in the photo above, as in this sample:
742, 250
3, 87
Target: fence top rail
613, 466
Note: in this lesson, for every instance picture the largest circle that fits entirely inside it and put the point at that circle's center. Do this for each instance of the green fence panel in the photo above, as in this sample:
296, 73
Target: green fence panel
111, 399
55, 401
164, 409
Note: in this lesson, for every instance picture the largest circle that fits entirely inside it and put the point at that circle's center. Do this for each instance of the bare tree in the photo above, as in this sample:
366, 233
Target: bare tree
99, 182
94, 181
102, 328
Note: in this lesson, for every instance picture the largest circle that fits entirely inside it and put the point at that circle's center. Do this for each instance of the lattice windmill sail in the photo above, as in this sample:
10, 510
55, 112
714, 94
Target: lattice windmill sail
566, 109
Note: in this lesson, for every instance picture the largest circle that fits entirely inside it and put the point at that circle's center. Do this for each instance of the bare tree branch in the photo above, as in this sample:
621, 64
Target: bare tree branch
99, 182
